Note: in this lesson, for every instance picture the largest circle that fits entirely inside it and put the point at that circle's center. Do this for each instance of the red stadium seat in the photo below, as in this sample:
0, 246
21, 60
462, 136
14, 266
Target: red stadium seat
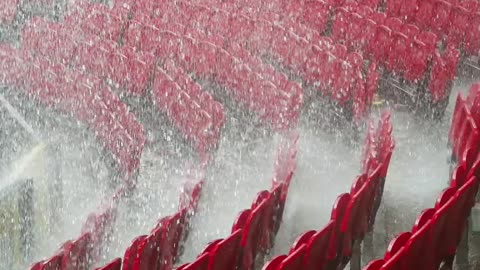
381, 44
459, 114
396, 60
417, 257
317, 248
54, 262
304, 238
294, 260
225, 255
340, 24
418, 57
241, 220
424, 14
395, 255
441, 20
472, 36
338, 214
113, 265
131, 253
77, 253
252, 236
148, 251
408, 9
459, 25
211, 246
410, 30
393, 8
439, 78
394, 23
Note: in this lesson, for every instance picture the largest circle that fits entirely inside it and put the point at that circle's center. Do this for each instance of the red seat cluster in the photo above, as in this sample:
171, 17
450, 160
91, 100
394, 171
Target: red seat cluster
353, 213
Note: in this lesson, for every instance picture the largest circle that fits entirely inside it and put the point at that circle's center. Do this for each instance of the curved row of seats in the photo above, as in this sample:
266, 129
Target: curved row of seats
353, 213
442, 227
253, 232
464, 131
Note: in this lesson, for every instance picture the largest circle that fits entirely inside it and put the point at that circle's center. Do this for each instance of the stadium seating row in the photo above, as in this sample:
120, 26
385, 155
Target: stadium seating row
464, 133
252, 233
254, 229
353, 214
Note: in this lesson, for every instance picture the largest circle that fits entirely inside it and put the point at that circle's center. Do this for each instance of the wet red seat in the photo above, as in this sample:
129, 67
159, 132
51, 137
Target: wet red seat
441, 21
302, 239
278, 195
396, 59
395, 255
393, 8
241, 220
424, 14
113, 265
472, 37
378, 17
54, 262
459, 113
417, 257
469, 136
374, 265
410, 30
335, 243
315, 15
459, 24
418, 57
77, 253
408, 10
131, 253
355, 36
252, 236
394, 23
274, 263
294, 260
439, 78
340, 24
317, 248
225, 255
148, 251
381, 44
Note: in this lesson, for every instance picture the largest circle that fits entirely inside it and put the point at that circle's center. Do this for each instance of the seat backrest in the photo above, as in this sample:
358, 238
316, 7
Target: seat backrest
304, 238
77, 253
252, 233
440, 226
131, 253
396, 244
148, 251
241, 220
274, 263
338, 214
211, 246
459, 175
317, 248
294, 260
417, 256
113, 265
53, 263
459, 114
394, 23
395, 255
225, 255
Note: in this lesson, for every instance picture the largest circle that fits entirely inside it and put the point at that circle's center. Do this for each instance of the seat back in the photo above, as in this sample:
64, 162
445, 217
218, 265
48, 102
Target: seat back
251, 238
374, 265
304, 238
274, 263
395, 255
317, 248
241, 220
200, 263
225, 255
417, 257
294, 260
338, 214
77, 253
131, 253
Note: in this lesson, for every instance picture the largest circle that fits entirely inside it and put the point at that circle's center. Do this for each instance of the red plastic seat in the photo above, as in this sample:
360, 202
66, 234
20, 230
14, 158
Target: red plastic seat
472, 37
225, 255
459, 24
131, 253
294, 260
439, 78
408, 9
315, 15
148, 251
241, 220
396, 60
381, 44
252, 236
441, 20
418, 57
317, 248
410, 30
77, 253
393, 8
395, 255
355, 33
304, 238
424, 14
340, 24
459, 114
394, 23
54, 262
338, 214
417, 257
113, 265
